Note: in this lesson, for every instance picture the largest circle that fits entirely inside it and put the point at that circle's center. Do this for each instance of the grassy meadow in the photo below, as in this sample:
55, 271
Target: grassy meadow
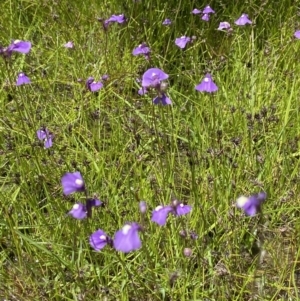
206, 150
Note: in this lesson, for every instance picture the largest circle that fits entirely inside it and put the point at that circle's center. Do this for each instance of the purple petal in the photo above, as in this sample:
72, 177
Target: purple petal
207, 85
48, 141
143, 206
251, 205
196, 11
160, 214
22, 79
142, 91
182, 41
243, 20
182, 209
78, 211
163, 99
167, 22
205, 17
152, 77
224, 25
141, 49
208, 10
41, 134
72, 182
20, 46
98, 240
127, 239
297, 34
69, 45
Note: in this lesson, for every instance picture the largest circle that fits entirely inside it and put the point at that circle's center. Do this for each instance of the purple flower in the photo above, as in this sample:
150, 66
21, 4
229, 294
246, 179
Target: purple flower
115, 18
160, 213
207, 85
167, 22
196, 11
105, 77
18, 46
142, 49
143, 206
99, 239
44, 135
251, 205
297, 34
127, 239
72, 182
182, 41
243, 20
142, 91
224, 25
92, 85
208, 10
80, 211
163, 99
205, 17
153, 77
69, 45
22, 79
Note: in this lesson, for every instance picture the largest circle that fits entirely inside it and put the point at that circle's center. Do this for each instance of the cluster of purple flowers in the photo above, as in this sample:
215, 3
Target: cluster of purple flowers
252, 204
126, 239
205, 13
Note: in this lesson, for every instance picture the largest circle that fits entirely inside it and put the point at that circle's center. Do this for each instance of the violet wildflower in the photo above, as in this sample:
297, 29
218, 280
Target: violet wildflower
115, 19
162, 99
207, 85
208, 10
243, 20
196, 11
69, 45
142, 49
143, 207
182, 41
251, 205
224, 25
297, 34
78, 211
22, 79
99, 239
105, 77
205, 17
167, 22
92, 85
18, 46
160, 213
127, 239
72, 182
152, 78
44, 135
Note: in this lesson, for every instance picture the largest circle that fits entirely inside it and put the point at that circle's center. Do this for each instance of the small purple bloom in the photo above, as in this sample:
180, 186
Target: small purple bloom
163, 99
78, 211
115, 18
160, 213
92, 85
142, 49
142, 91
243, 20
182, 41
205, 17
297, 34
143, 206
22, 79
167, 22
153, 77
69, 45
127, 239
208, 10
19, 46
46, 136
251, 205
105, 77
196, 11
207, 85
72, 182
224, 25
99, 239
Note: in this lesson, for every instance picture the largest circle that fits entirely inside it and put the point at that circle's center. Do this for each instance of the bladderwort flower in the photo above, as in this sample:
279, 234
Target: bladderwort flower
80, 211
69, 45
224, 26
72, 182
43, 134
22, 79
120, 19
105, 77
143, 207
142, 49
99, 239
207, 85
182, 41
16, 46
196, 11
208, 10
167, 22
127, 239
297, 34
243, 20
153, 79
205, 17
251, 205
160, 213
92, 85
